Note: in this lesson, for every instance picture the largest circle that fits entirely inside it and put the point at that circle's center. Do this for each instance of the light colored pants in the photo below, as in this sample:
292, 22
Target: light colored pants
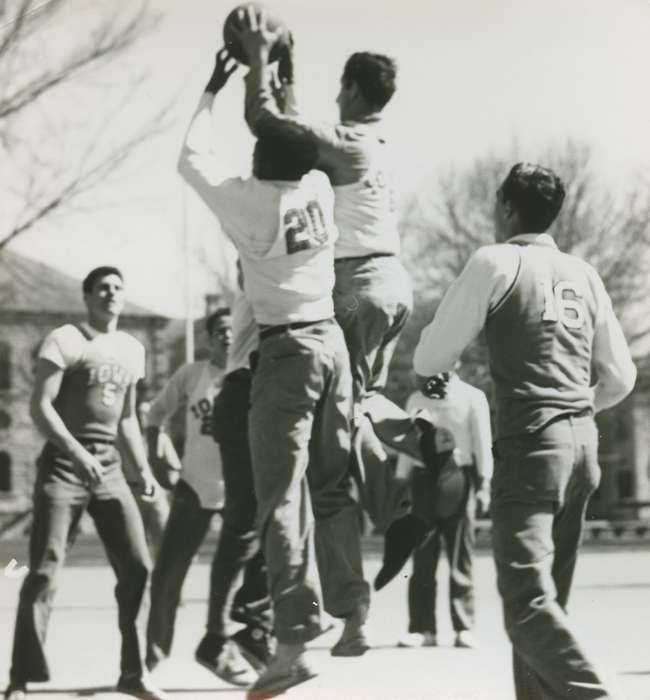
541, 486
300, 446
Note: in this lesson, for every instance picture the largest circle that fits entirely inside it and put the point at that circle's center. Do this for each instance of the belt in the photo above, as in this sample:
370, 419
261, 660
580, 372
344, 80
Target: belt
268, 331
99, 441
564, 416
366, 257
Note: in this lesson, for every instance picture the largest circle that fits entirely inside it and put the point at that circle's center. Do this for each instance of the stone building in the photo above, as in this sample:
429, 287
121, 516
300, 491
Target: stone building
34, 299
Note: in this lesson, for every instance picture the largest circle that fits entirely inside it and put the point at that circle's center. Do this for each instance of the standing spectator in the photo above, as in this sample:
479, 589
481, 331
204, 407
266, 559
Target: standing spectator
463, 410
84, 396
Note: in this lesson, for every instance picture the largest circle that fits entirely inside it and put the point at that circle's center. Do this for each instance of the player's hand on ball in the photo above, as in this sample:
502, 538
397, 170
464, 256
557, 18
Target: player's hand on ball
285, 64
224, 66
254, 34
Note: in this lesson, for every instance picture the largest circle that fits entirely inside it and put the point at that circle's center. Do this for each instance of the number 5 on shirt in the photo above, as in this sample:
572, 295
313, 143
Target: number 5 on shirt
557, 307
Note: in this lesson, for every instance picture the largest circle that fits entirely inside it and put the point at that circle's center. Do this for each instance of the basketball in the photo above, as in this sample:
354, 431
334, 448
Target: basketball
273, 22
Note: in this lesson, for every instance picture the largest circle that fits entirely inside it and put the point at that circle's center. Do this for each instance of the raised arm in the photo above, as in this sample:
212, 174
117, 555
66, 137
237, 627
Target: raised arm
49, 422
261, 106
199, 163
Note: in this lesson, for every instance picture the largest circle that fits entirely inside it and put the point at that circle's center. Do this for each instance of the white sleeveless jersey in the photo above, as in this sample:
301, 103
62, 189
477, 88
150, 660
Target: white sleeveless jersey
288, 257
195, 386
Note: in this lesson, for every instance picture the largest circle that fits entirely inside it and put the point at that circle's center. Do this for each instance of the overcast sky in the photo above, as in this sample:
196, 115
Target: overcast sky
475, 76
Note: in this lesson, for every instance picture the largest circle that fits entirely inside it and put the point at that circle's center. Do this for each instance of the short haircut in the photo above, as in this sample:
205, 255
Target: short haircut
374, 74
212, 320
283, 152
536, 193
99, 272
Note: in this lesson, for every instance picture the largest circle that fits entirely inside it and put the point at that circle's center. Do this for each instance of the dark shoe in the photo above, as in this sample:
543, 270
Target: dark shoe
353, 640
256, 645
16, 691
223, 658
139, 687
280, 676
402, 537
153, 657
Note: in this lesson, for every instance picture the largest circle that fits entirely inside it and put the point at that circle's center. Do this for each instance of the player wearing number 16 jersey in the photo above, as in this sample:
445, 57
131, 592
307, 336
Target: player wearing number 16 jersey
548, 322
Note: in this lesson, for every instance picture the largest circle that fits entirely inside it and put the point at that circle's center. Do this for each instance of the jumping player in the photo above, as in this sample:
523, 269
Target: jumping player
281, 220
548, 320
84, 395
373, 291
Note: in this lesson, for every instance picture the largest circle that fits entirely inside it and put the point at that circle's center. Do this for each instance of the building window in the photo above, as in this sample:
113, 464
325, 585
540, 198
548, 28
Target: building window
5, 419
5, 366
5, 472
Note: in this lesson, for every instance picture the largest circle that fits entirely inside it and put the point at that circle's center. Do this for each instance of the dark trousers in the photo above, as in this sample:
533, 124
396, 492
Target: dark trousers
238, 552
300, 444
187, 526
457, 533
541, 486
60, 499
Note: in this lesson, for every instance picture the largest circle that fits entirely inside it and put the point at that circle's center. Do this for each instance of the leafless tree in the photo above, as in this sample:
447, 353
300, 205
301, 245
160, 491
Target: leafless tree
50, 51
442, 227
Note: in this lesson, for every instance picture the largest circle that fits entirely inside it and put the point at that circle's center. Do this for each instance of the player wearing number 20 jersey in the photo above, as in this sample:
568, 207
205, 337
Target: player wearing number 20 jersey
281, 219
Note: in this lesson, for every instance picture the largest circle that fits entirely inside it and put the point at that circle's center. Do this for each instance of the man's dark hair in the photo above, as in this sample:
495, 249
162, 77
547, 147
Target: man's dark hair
99, 272
374, 74
283, 152
213, 318
536, 193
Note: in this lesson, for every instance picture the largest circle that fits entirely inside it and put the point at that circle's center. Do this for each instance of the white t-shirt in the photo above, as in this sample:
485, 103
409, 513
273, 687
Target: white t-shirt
195, 386
465, 413
98, 369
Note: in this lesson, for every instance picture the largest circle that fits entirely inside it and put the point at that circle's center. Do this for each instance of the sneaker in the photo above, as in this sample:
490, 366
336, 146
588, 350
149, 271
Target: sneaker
16, 691
353, 640
282, 673
412, 640
140, 687
223, 658
465, 640
256, 645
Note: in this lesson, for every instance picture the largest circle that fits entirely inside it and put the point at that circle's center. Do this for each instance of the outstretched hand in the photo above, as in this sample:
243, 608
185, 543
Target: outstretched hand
254, 35
225, 65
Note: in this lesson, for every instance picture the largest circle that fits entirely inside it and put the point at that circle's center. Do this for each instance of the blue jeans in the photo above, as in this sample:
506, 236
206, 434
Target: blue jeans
541, 486
300, 444
60, 499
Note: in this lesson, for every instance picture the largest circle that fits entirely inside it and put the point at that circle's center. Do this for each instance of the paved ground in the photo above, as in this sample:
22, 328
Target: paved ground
611, 605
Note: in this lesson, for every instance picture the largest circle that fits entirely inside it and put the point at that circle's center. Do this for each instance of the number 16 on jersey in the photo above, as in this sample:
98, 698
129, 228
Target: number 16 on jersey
568, 310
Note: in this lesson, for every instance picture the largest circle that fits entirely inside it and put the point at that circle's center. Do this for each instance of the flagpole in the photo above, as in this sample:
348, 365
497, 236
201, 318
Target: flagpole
187, 259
